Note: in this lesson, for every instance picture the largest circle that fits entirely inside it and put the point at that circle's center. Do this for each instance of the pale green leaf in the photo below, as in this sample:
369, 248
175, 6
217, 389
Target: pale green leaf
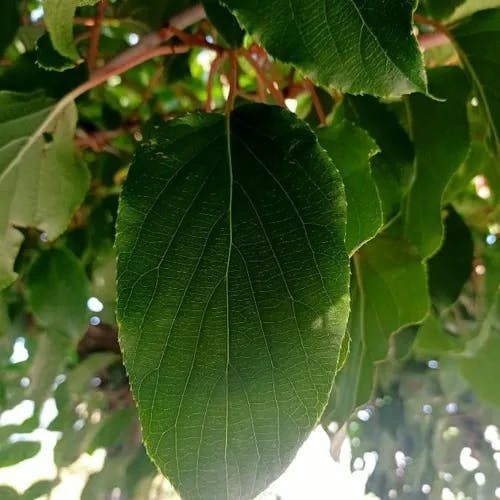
352, 45
393, 292
232, 295
441, 9
441, 136
13, 453
351, 149
470, 6
477, 39
49, 361
41, 179
480, 365
58, 16
432, 339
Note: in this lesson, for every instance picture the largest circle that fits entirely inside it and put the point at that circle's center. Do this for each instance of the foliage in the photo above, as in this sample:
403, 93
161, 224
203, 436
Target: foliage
305, 196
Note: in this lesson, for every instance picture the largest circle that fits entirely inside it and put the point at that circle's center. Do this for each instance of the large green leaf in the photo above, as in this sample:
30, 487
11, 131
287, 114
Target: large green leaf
389, 291
351, 149
441, 136
41, 180
477, 39
64, 310
232, 295
353, 45
59, 21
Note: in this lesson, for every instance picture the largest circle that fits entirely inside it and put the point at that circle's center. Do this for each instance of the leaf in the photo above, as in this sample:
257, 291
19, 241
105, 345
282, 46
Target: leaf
392, 292
58, 17
469, 7
432, 339
232, 295
9, 23
48, 58
13, 453
352, 45
476, 40
24, 75
41, 181
48, 363
113, 431
351, 149
354, 383
225, 23
441, 9
39, 489
480, 365
441, 137
392, 168
451, 267
64, 310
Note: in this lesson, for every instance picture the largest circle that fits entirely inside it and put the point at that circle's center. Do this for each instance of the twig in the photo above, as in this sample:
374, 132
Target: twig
210, 82
95, 34
432, 39
316, 102
233, 82
441, 35
194, 40
143, 51
276, 93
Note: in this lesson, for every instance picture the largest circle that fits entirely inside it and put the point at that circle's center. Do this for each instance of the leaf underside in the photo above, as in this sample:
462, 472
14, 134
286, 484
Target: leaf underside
352, 45
232, 295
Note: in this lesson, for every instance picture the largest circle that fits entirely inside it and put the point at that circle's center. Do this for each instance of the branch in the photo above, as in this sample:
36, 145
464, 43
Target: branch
440, 36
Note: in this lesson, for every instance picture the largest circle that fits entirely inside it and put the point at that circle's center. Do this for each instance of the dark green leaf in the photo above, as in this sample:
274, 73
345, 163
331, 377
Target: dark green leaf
224, 22
392, 168
477, 39
450, 268
48, 58
64, 309
232, 295
24, 75
9, 23
351, 149
354, 46
441, 136
41, 180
